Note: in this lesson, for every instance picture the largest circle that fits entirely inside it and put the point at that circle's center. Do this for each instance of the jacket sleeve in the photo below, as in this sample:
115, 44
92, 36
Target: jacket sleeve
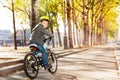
45, 31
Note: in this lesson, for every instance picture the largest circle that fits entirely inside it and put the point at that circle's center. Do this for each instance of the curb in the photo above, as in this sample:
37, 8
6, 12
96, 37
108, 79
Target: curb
12, 62
60, 56
11, 69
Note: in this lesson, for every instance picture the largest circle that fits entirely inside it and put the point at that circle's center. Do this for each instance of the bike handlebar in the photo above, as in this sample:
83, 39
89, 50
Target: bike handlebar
48, 39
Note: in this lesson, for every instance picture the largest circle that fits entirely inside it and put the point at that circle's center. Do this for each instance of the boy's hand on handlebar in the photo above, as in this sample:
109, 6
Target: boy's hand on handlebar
45, 40
51, 37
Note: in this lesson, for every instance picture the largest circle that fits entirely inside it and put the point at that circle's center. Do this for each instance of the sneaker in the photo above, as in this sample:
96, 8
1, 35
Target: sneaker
48, 67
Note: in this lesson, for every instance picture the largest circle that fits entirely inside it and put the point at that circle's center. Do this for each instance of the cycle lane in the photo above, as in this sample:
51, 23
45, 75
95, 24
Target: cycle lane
98, 63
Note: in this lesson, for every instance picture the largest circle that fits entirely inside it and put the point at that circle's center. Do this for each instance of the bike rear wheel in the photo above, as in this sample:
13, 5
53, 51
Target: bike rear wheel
31, 65
52, 60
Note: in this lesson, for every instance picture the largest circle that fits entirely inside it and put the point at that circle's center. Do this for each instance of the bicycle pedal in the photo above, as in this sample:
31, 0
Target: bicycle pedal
27, 78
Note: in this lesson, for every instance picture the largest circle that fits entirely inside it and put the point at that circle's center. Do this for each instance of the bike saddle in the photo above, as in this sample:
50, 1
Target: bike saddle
33, 45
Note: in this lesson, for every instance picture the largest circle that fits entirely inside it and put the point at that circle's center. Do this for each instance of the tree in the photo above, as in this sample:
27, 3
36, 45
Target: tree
69, 24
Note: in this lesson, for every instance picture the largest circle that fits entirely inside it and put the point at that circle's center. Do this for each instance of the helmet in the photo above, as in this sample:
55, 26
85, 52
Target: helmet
46, 18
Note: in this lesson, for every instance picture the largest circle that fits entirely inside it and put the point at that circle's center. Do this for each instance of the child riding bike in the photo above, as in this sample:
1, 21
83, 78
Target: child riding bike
38, 35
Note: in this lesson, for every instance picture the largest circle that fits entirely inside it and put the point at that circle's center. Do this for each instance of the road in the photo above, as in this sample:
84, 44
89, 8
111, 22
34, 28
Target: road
97, 63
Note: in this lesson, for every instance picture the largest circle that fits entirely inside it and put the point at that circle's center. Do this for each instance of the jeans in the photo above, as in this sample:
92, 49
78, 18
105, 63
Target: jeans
44, 54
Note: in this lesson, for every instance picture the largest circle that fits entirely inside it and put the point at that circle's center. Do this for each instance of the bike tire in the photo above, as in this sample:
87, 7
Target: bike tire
25, 65
54, 64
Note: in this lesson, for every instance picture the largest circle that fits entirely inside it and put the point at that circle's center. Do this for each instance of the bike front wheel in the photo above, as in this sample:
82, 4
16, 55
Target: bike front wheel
31, 65
52, 60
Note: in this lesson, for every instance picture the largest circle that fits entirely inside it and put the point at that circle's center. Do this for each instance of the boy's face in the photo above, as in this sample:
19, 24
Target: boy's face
45, 23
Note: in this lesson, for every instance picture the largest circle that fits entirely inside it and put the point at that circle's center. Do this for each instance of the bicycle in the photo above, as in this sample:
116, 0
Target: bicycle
33, 61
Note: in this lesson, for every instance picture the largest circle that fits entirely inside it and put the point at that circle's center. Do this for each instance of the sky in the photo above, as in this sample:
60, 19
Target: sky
5, 18
6, 21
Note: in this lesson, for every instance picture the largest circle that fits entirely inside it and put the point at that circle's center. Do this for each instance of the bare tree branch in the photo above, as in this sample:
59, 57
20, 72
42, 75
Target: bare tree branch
78, 10
20, 9
97, 2
5, 6
98, 9
1, 3
78, 3
107, 11
8, 7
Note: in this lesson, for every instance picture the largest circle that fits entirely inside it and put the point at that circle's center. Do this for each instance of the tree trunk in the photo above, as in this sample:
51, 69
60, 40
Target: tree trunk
59, 37
15, 41
69, 24
24, 37
84, 23
78, 38
87, 28
86, 33
64, 21
73, 19
77, 30
34, 19
91, 28
51, 28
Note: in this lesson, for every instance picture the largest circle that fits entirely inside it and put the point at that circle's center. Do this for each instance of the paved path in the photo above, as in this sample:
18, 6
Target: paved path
117, 54
98, 63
